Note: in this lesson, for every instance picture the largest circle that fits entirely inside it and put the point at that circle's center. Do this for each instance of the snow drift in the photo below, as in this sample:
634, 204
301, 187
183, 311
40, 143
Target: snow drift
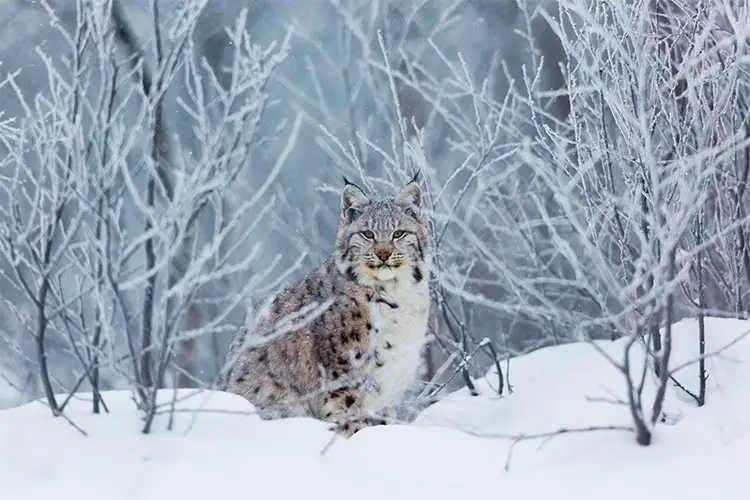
457, 448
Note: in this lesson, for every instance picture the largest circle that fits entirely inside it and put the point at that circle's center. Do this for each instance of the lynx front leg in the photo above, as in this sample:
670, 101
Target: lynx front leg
343, 407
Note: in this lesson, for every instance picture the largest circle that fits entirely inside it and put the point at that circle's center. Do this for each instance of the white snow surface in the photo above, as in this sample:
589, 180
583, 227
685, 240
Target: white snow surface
454, 450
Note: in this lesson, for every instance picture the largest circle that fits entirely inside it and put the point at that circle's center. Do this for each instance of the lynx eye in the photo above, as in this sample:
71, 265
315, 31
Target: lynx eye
398, 234
368, 234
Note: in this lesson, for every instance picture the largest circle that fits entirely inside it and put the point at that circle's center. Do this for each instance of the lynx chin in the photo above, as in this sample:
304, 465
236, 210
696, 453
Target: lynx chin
352, 363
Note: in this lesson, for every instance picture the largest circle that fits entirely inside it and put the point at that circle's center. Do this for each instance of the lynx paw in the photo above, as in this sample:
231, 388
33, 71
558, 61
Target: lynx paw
349, 427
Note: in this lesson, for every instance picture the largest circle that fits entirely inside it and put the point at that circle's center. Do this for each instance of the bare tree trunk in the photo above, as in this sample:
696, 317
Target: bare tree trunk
701, 400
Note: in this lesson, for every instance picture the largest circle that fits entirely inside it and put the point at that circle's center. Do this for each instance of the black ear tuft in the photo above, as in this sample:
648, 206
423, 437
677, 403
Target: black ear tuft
415, 178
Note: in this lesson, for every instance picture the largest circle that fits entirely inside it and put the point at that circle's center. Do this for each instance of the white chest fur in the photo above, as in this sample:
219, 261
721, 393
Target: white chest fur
401, 335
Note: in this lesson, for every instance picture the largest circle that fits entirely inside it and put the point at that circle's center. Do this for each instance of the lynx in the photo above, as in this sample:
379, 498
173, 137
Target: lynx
353, 363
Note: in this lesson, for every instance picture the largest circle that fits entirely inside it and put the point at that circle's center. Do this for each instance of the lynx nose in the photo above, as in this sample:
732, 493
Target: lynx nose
383, 253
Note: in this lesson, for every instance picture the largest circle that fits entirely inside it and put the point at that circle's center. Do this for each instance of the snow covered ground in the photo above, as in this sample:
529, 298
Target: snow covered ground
224, 451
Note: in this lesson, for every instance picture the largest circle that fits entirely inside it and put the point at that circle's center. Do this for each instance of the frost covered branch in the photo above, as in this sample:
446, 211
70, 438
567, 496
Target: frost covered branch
121, 228
571, 199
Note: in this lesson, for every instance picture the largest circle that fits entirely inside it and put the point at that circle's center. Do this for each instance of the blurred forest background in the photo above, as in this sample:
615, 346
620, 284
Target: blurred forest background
168, 164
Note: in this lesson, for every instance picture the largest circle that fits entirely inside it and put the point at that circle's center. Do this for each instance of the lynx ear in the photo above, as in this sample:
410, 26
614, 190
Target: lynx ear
353, 200
410, 199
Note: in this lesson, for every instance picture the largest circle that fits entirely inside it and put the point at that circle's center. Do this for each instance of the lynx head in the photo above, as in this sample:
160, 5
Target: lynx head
383, 241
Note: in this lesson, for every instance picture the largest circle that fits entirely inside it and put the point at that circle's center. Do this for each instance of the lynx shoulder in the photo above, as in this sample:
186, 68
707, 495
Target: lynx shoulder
344, 343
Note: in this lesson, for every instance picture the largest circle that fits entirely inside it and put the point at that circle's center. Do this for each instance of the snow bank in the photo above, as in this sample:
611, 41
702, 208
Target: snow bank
226, 451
